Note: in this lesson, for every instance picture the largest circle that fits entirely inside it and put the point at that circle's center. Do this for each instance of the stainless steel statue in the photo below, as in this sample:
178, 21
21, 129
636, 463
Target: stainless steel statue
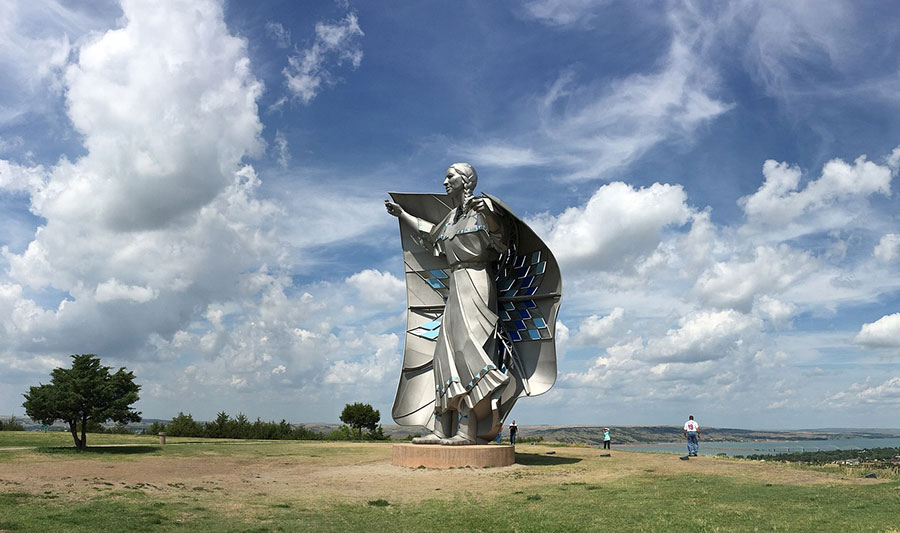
483, 293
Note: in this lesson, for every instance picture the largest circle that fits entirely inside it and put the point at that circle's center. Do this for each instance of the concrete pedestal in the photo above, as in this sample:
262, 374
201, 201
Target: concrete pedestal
437, 456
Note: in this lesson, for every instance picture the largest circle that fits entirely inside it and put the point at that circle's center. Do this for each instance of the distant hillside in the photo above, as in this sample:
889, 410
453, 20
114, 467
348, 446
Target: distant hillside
587, 434
644, 434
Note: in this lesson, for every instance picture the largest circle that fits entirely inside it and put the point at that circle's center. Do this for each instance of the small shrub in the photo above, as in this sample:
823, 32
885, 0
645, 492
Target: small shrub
379, 503
11, 425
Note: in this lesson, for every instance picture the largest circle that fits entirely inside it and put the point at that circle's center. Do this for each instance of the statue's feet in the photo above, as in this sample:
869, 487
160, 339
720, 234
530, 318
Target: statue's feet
428, 439
459, 439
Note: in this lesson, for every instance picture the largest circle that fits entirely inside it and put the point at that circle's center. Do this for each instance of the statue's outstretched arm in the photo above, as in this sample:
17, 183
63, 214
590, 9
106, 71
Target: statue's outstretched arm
414, 223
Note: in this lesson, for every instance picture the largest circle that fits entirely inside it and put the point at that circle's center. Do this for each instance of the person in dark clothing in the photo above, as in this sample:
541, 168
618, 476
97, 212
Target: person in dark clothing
513, 432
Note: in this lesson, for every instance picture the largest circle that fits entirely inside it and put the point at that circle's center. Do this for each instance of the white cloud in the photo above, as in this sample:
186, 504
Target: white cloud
160, 214
737, 282
598, 329
279, 34
283, 152
893, 160
309, 70
564, 12
19, 179
888, 248
587, 131
369, 369
504, 156
883, 333
167, 108
866, 394
803, 53
377, 287
617, 227
776, 311
112, 289
779, 200
703, 336
36, 39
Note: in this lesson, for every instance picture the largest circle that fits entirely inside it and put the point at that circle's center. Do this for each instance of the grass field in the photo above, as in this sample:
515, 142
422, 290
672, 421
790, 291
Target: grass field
320, 486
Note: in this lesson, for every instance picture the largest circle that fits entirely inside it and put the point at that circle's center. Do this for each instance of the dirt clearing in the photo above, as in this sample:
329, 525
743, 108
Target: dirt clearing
348, 472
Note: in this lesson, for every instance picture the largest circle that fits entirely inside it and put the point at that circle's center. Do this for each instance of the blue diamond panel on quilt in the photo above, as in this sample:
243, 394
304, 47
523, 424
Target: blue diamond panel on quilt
522, 321
437, 279
520, 276
428, 330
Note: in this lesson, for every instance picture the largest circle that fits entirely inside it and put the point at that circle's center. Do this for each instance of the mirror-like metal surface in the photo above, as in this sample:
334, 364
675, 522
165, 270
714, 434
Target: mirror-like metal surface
483, 293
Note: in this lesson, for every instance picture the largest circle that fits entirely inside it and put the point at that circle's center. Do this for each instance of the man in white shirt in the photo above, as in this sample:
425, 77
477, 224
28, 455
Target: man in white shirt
692, 434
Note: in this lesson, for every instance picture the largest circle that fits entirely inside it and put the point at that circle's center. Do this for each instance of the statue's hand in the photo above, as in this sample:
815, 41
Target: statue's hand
392, 208
478, 204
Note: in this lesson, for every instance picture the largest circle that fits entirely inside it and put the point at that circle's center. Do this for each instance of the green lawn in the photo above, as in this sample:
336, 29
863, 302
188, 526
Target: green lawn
624, 493
59, 438
646, 503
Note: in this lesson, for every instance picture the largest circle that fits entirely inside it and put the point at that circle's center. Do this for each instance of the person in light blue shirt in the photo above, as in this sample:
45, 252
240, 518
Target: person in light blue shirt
606, 438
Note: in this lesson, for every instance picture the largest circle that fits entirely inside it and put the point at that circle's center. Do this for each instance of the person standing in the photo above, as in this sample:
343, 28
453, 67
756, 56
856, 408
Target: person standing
692, 434
606, 439
513, 431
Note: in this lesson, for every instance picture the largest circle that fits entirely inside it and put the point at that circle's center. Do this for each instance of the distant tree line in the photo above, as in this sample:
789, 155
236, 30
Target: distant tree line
830, 456
240, 427
11, 425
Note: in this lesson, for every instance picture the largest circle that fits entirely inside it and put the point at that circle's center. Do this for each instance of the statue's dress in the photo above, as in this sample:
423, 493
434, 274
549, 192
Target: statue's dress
481, 315
464, 372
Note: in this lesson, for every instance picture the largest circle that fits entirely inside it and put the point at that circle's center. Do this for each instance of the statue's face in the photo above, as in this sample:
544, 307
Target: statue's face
454, 181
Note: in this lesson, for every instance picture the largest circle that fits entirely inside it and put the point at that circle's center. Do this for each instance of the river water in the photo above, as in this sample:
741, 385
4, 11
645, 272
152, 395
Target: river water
763, 447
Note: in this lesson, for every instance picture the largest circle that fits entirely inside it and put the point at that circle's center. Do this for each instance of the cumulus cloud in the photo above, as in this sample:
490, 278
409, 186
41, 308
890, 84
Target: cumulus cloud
888, 248
737, 282
779, 200
859, 394
160, 216
702, 336
598, 329
19, 179
373, 368
113, 290
167, 108
776, 311
883, 333
377, 287
309, 71
618, 226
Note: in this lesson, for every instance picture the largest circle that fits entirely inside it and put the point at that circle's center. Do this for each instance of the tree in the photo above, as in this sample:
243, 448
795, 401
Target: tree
184, 425
360, 415
84, 395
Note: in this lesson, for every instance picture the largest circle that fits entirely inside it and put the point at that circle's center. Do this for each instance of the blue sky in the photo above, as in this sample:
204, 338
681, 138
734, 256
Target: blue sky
193, 189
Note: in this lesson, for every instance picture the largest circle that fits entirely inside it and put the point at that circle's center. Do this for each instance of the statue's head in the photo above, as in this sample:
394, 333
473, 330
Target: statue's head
468, 174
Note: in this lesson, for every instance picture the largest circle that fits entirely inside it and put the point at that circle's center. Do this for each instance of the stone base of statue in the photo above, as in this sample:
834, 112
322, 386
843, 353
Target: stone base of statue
438, 456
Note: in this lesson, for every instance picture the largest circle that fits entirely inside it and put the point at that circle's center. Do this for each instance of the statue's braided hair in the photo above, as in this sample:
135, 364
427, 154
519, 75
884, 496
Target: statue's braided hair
470, 180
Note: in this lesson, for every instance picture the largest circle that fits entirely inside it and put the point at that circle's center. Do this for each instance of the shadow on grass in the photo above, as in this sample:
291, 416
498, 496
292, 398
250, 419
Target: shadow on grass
537, 459
101, 450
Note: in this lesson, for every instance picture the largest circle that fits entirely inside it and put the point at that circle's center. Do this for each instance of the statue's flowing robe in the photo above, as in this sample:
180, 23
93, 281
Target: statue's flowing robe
481, 318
